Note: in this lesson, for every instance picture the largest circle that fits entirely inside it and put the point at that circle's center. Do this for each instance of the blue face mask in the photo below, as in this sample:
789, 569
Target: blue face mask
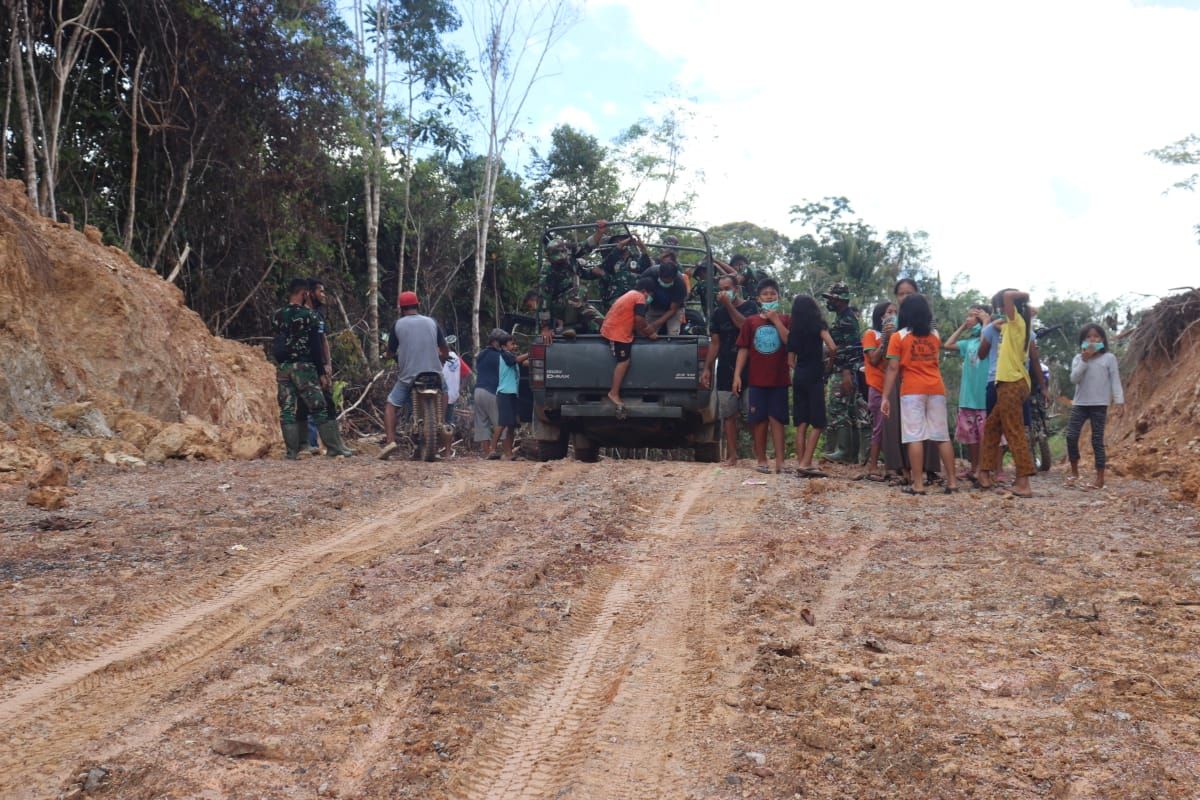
773, 305
1093, 346
976, 329
665, 284
890, 320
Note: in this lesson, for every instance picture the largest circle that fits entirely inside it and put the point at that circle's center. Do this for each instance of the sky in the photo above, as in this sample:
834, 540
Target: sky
1015, 134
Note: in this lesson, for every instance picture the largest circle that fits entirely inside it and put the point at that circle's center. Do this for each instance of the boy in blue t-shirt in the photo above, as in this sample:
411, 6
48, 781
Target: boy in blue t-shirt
507, 397
972, 390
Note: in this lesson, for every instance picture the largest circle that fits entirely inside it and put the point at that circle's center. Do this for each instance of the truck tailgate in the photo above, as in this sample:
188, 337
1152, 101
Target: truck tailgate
670, 363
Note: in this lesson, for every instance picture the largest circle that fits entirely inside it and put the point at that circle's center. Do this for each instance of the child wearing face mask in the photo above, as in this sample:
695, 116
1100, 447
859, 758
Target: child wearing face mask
1097, 379
972, 389
874, 348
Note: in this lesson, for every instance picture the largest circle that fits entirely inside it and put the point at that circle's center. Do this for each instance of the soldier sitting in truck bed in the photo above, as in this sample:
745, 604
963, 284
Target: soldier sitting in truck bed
566, 303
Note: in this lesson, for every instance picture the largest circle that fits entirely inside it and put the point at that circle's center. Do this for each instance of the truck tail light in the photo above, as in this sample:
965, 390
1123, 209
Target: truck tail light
537, 366
702, 356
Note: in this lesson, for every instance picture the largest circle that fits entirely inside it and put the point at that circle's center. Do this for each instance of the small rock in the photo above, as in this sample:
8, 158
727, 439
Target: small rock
50, 498
95, 777
763, 772
757, 758
733, 780
51, 472
874, 645
238, 747
323, 789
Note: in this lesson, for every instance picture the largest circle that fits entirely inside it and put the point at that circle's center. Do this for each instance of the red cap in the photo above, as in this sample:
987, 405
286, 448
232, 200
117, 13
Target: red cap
408, 299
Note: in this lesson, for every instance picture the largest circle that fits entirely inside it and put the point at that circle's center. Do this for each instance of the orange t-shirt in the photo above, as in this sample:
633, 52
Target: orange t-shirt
618, 322
918, 356
871, 340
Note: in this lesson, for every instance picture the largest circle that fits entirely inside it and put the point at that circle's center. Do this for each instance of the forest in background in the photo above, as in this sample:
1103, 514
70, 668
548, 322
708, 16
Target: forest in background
233, 145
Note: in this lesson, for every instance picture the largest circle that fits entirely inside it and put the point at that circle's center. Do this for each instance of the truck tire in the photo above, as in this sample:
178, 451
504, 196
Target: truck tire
707, 453
552, 451
585, 450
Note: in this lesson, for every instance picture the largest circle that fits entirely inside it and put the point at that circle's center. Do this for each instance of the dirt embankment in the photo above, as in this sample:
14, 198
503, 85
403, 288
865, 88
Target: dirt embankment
102, 358
1157, 435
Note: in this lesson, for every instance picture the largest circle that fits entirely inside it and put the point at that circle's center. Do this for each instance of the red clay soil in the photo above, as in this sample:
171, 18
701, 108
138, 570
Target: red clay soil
478, 630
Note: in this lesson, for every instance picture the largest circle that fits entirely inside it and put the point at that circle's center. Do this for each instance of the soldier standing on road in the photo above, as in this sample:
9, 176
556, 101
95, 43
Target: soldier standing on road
316, 301
299, 351
843, 397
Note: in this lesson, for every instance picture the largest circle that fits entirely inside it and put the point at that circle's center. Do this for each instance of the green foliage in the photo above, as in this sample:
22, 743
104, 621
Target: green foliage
575, 181
1185, 153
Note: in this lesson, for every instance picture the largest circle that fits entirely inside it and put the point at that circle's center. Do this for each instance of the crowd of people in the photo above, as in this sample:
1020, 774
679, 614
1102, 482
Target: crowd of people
876, 395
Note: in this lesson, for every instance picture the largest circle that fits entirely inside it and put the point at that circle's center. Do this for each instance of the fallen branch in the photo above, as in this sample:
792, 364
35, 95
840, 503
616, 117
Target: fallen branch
364, 394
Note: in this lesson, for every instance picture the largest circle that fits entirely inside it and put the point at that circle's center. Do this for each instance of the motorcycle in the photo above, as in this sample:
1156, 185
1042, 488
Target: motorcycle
1039, 434
427, 430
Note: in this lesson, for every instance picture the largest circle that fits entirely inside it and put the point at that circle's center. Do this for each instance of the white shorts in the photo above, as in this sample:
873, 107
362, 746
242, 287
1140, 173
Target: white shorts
487, 415
923, 418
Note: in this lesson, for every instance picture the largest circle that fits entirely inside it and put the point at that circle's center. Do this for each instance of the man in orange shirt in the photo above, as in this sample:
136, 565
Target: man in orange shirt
625, 320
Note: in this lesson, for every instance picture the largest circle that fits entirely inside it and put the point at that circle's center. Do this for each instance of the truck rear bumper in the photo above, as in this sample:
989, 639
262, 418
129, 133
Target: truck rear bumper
632, 411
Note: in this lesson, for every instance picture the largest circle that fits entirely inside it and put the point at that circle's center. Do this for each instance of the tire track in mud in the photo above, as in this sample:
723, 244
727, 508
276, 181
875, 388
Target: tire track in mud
50, 716
623, 672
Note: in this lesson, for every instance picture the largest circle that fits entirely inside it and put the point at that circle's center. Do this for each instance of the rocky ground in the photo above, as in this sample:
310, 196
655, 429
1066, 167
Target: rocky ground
625, 629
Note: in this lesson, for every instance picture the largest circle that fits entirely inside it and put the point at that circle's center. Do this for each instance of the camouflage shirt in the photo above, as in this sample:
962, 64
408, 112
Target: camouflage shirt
298, 331
618, 276
847, 335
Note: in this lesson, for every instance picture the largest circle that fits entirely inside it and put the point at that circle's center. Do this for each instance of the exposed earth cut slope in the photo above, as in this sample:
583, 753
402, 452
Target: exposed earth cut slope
102, 357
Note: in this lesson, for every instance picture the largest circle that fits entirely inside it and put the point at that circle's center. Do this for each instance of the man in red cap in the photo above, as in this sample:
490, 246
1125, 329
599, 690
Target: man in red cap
419, 346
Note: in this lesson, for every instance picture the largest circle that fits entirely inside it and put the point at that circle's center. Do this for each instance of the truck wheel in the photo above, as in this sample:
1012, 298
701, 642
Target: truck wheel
552, 451
707, 453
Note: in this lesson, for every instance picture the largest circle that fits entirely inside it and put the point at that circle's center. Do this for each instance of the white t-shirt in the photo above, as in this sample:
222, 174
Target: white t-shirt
452, 373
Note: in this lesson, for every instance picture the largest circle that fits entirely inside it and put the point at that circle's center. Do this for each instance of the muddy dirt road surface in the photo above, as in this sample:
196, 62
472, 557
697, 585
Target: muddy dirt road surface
488, 631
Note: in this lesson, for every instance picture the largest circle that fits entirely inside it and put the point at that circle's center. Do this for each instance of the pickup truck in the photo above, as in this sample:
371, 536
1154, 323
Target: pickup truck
664, 404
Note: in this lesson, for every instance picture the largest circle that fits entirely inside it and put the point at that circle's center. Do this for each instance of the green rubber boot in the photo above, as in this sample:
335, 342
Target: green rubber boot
843, 453
864, 443
332, 437
291, 439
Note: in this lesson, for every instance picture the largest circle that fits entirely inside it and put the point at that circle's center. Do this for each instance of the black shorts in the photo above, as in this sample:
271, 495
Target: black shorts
767, 402
808, 404
621, 350
508, 408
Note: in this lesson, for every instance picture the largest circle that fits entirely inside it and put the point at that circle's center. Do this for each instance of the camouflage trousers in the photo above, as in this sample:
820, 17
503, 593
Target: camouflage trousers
845, 412
297, 382
582, 318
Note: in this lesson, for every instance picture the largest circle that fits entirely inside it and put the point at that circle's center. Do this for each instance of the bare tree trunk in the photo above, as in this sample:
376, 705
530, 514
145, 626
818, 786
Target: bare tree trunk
373, 170
417, 267
66, 53
8, 92
503, 48
31, 170
135, 103
408, 143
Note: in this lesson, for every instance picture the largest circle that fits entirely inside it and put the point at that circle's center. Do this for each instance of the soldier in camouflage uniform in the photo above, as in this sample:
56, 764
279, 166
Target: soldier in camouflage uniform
844, 415
620, 269
559, 286
299, 351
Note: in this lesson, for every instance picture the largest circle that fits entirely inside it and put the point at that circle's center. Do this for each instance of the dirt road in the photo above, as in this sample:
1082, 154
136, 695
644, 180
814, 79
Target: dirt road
489, 631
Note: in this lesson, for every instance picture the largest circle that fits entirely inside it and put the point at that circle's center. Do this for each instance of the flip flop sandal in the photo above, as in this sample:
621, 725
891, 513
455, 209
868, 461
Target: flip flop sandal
898, 482
912, 491
815, 473
948, 490
763, 470
876, 478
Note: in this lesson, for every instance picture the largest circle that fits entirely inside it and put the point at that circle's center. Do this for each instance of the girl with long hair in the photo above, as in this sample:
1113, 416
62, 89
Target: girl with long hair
913, 362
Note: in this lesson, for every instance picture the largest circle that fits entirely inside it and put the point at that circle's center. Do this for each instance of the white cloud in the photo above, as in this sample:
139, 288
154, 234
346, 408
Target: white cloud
569, 115
1016, 133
